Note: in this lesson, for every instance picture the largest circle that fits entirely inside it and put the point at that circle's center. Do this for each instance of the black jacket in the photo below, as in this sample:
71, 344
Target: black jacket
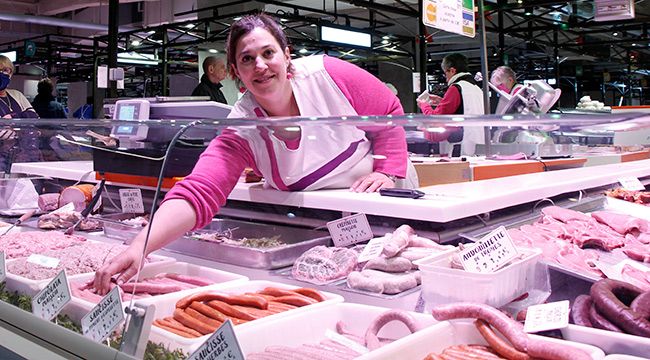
48, 108
207, 88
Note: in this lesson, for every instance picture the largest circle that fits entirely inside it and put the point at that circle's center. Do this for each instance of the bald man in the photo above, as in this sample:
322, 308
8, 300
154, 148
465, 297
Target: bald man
214, 71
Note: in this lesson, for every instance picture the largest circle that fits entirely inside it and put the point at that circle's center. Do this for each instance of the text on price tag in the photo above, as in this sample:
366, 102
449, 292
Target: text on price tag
131, 200
3, 267
372, 250
222, 345
545, 317
44, 261
490, 253
350, 230
631, 183
51, 300
100, 322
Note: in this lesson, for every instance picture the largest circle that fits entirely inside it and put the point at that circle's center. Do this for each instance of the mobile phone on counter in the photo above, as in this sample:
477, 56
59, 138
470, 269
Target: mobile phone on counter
403, 193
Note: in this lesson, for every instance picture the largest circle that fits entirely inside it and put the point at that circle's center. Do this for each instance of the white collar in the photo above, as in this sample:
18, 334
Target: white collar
455, 77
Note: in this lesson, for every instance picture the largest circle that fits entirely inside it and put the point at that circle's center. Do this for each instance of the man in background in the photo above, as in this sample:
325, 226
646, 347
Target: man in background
214, 71
45, 104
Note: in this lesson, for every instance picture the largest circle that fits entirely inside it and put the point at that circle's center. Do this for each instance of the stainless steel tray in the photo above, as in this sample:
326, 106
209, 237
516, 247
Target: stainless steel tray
586, 205
114, 228
297, 242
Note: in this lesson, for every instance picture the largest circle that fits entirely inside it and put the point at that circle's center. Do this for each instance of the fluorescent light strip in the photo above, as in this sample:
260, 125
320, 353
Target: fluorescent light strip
343, 36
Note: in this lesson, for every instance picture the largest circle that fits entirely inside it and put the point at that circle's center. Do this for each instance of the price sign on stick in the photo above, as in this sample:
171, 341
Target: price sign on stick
51, 300
631, 183
100, 322
131, 200
350, 230
490, 253
222, 345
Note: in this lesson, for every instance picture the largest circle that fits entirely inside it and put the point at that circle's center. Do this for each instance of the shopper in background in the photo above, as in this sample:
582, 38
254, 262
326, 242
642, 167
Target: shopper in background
214, 71
85, 111
314, 157
45, 104
504, 79
13, 104
463, 97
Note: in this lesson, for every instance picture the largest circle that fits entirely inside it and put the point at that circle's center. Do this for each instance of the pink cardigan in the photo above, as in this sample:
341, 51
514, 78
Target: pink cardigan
221, 164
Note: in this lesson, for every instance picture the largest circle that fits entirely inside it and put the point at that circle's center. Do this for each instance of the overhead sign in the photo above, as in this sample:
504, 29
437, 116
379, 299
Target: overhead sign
30, 48
456, 16
607, 10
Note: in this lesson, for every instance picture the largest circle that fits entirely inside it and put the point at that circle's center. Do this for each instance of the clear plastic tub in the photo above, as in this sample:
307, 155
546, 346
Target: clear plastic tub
442, 285
115, 228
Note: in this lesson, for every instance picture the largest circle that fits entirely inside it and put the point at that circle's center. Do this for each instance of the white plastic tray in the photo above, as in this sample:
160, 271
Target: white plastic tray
80, 307
441, 284
611, 342
437, 338
629, 208
165, 307
309, 328
624, 357
26, 286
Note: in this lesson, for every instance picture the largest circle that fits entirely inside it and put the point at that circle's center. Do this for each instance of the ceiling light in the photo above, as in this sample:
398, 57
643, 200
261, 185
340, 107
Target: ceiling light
385, 37
237, 18
633, 44
151, 32
615, 33
385, 41
283, 20
135, 42
190, 26
213, 51
303, 51
345, 35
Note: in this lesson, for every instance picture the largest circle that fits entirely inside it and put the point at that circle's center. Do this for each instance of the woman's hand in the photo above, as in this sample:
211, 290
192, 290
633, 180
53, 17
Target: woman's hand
434, 100
125, 264
372, 182
8, 116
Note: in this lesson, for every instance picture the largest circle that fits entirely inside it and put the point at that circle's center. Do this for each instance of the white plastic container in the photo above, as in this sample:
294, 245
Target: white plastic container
442, 285
309, 328
611, 342
629, 208
165, 307
624, 357
437, 338
80, 307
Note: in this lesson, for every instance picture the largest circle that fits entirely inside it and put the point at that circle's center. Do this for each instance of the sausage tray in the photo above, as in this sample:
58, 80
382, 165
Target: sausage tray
297, 242
611, 342
165, 307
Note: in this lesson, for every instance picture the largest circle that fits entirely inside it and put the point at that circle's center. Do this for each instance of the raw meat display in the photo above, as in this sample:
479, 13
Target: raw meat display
65, 219
158, 285
202, 313
390, 273
322, 264
25, 243
636, 277
80, 258
228, 238
614, 306
638, 197
48, 202
328, 349
137, 221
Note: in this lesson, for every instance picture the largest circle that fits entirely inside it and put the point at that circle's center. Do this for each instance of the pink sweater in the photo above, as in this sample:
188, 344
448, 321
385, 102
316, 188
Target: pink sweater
221, 164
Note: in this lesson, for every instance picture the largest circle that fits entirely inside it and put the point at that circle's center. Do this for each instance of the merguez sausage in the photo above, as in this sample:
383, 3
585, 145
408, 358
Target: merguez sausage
499, 345
184, 318
174, 330
208, 311
245, 300
230, 310
309, 292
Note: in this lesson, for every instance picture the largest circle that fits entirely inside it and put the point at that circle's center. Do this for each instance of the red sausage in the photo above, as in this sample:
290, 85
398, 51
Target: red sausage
230, 310
312, 293
174, 330
186, 319
245, 300
295, 300
499, 345
208, 311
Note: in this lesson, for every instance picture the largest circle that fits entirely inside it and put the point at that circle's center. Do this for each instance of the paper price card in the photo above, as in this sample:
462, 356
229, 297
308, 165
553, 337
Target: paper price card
51, 300
350, 230
545, 317
3, 268
131, 200
104, 317
222, 345
631, 183
44, 261
372, 250
490, 253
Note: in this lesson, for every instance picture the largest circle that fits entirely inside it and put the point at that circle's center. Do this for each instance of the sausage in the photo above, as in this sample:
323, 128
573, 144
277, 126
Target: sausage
548, 350
512, 330
598, 321
208, 311
641, 304
309, 292
230, 310
245, 300
188, 320
174, 330
170, 322
611, 298
148, 287
296, 300
280, 307
372, 342
254, 312
580, 310
499, 345
394, 265
194, 280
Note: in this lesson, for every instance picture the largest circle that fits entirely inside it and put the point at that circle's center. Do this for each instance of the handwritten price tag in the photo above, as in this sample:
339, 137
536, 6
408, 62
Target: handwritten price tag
44, 261
3, 267
631, 183
222, 345
350, 230
372, 250
490, 253
131, 200
51, 300
100, 322
545, 317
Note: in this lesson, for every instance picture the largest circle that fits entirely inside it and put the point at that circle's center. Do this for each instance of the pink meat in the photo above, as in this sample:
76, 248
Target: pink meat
623, 224
636, 277
565, 215
48, 202
320, 264
636, 250
194, 280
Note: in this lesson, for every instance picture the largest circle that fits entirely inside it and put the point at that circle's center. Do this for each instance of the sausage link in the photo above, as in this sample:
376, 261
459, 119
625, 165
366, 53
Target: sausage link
309, 292
598, 321
230, 310
170, 322
372, 342
499, 345
273, 291
295, 300
186, 319
175, 331
611, 298
641, 304
245, 300
208, 311
580, 310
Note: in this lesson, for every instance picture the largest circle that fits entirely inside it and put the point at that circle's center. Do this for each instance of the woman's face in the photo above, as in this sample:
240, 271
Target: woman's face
261, 64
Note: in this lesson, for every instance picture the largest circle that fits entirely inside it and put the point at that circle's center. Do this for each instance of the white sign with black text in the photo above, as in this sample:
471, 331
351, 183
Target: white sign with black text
51, 300
372, 250
131, 200
490, 253
350, 230
222, 345
631, 183
100, 322
545, 317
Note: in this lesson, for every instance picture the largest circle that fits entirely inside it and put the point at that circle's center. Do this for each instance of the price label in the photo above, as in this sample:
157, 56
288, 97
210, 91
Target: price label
51, 300
222, 345
490, 253
350, 230
3, 267
67, 208
100, 322
372, 250
353, 345
131, 200
549, 316
631, 183
44, 261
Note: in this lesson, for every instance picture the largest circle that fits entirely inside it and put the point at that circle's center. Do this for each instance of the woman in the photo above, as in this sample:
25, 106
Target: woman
504, 79
13, 103
364, 159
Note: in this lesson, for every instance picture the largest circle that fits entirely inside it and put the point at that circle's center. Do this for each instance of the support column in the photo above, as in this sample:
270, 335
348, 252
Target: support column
113, 23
